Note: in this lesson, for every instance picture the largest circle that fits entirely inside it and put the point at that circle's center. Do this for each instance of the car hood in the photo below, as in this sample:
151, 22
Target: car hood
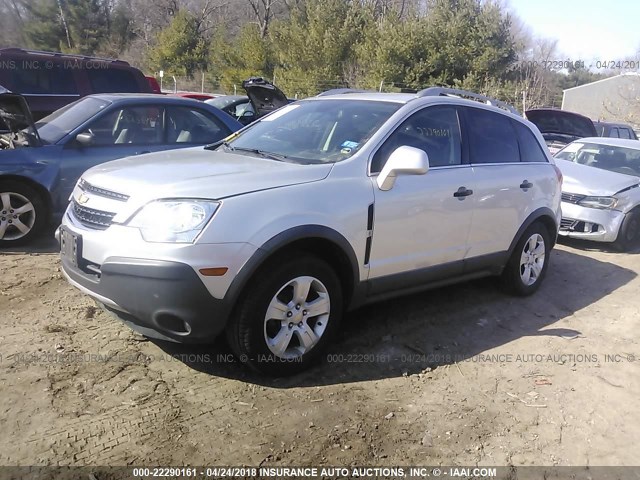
585, 180
15, 117
561, 122
198, 173
264, 96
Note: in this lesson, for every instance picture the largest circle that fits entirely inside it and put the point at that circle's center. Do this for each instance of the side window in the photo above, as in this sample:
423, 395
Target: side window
614, 133
112, 80
530, 149
29, 78
492, 138
128, 125
241, 108
192, 125
435, 130
624, 133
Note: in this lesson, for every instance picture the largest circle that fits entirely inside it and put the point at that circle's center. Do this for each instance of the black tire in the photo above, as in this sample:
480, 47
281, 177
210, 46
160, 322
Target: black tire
35, 219
629, 234
512, 275
248, 328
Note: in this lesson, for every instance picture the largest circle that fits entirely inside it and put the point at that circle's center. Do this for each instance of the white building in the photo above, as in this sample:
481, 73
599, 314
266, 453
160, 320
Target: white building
614, 99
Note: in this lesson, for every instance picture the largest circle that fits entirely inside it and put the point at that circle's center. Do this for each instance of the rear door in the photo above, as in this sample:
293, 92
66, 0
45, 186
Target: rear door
420, 223
512, 178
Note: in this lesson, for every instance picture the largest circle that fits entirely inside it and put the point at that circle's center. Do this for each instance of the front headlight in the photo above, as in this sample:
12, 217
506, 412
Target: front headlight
173, 221
603, 203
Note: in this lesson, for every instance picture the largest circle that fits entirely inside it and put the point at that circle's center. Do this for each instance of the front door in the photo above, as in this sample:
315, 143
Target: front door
421, 225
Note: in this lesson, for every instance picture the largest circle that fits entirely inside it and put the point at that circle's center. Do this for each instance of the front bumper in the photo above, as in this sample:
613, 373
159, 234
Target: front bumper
157, 289
161, 299
590, 223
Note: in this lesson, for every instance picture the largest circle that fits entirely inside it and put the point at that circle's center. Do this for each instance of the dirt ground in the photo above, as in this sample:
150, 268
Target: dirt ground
463, 375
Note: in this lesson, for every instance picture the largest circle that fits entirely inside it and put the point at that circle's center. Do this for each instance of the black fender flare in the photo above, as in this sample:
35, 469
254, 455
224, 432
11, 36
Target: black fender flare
541, 213
281, 240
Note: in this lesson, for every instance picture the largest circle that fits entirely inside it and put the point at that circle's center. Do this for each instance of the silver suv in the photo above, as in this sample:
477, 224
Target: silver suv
320, 207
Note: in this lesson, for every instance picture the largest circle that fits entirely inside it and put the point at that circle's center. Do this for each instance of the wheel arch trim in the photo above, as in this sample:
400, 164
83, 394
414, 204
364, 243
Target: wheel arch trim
288, 237
544, 214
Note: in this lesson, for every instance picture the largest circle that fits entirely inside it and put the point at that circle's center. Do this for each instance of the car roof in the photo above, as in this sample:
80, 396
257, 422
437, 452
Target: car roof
405, 98
612, 142
613, 124
373, 96
136, 97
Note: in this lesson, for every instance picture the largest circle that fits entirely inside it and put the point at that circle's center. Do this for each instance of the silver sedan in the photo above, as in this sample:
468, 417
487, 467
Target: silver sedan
600, 192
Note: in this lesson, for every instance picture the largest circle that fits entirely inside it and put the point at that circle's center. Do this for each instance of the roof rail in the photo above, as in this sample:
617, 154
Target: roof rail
454, 92
341, 91
60, 54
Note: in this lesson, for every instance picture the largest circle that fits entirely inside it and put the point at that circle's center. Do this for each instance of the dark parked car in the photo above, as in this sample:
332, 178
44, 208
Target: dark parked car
50, 80
263, 97
40, 164
615, 130
559, 127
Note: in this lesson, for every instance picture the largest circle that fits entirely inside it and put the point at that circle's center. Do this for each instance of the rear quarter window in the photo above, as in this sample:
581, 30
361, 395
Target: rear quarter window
530, 148
112, 80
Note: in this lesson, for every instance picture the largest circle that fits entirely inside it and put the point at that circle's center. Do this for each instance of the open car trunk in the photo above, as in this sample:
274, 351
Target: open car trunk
264, 96
559, 127
16, 123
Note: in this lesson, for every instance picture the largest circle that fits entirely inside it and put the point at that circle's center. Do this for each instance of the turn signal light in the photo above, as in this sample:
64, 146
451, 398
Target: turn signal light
214, 272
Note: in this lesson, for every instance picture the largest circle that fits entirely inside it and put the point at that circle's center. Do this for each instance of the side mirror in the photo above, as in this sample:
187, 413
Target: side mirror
85, 139
402, 161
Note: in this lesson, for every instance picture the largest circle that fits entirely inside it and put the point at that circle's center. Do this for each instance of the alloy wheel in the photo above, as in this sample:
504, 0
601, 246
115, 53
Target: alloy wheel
532, 259
297, 317
17, 216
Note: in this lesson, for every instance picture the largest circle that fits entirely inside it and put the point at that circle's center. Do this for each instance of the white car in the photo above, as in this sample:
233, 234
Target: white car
317, 208
600, 194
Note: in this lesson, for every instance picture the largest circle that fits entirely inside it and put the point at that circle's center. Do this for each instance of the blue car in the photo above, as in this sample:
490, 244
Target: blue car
40, 164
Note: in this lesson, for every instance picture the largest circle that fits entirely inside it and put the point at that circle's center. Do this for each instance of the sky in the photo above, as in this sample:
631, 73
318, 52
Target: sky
586, 30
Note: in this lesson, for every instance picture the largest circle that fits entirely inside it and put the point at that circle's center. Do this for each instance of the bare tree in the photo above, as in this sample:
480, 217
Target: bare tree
263, 11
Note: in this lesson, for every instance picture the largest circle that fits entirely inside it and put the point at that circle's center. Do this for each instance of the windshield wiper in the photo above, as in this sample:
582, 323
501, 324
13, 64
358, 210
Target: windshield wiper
214, 145
262, 153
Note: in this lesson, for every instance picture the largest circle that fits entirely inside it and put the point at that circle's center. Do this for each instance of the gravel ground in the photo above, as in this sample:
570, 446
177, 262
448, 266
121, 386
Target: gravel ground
462, 375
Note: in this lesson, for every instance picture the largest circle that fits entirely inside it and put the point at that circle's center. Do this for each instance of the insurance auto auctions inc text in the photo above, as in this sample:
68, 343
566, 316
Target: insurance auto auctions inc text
376, 472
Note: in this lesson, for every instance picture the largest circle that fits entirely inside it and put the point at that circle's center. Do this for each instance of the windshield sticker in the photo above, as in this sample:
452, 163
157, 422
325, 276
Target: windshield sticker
280, 112
350, 145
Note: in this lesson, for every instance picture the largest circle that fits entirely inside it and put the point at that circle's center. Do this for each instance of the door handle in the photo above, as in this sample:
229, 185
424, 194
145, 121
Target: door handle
462, 192
142, 153
526, 184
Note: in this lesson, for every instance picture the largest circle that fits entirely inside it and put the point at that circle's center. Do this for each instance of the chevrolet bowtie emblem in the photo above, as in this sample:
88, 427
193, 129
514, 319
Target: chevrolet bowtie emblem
82, 199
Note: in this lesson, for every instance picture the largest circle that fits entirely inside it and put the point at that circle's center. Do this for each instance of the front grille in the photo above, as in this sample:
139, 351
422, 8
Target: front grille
572, 197
87, 187
91, 218
567, 224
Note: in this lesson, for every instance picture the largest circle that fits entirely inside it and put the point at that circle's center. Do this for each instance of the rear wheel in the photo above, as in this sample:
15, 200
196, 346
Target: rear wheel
287, 316
22, 213
527, 266
629, 234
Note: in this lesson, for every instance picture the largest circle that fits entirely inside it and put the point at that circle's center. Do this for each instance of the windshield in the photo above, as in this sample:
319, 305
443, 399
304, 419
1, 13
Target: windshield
55, 126
605, 157
316, 131
222, 102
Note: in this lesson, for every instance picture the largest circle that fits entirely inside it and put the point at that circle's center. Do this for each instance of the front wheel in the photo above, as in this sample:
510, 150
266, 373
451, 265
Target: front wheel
22, 213
287, 316
528, 263
629, 233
